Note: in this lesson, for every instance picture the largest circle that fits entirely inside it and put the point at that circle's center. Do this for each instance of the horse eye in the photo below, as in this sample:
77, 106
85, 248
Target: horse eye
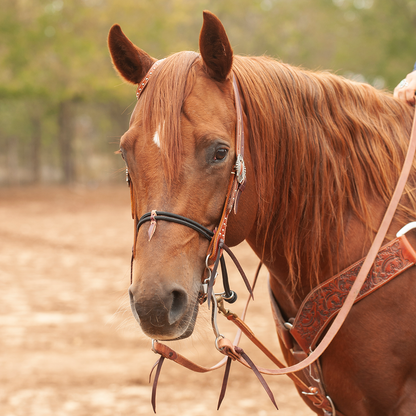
221, 154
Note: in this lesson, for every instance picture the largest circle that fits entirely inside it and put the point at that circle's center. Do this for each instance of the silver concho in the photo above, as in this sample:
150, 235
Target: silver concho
240, 169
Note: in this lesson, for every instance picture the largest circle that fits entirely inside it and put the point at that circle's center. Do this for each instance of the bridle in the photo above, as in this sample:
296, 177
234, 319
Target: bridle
217, 246
217, 238
228, 295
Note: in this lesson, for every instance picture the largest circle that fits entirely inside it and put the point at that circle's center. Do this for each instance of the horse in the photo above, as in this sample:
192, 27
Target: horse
322, 157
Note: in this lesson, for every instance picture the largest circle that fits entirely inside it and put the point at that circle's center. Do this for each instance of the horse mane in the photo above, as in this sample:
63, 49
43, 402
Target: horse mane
320, 144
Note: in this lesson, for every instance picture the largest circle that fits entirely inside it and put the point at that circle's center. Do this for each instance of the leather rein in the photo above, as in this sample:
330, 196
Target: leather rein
215, 256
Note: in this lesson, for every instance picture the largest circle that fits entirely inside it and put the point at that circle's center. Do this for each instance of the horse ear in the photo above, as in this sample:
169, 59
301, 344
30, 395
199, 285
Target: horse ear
130, 61
215, 48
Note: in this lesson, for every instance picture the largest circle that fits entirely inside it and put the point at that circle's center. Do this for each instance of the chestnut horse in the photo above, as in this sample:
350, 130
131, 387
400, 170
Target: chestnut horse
322, 154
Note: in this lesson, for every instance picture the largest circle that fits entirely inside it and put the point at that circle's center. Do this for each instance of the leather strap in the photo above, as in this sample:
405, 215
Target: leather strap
240, 269
282, 331
172, 355
224, 382
226, 346
237, 179
325, 300
159, 363
142, 85
257, 373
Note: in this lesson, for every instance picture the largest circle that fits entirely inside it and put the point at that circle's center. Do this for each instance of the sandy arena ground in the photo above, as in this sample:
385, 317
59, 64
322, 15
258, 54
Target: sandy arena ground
69, 345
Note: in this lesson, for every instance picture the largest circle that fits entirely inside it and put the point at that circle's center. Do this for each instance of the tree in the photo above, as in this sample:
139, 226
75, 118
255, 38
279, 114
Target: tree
55, 63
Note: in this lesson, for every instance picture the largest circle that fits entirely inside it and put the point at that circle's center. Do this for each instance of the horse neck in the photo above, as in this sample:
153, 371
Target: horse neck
317, 183
289, 293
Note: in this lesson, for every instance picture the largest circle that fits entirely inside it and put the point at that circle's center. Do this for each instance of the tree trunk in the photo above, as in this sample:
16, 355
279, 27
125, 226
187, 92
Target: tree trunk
36, 147
13, 160
66, 139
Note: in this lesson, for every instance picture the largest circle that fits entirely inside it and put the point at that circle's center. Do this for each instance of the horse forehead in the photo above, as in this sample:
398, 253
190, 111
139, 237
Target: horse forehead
209, 100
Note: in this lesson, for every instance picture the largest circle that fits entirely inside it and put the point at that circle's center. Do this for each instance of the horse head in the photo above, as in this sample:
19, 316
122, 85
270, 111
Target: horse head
180, 153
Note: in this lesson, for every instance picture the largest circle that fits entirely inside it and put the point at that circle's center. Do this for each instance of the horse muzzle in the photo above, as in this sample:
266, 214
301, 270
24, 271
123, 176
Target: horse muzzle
166, 314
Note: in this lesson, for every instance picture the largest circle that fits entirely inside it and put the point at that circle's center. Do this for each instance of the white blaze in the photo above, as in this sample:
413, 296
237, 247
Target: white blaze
156, 139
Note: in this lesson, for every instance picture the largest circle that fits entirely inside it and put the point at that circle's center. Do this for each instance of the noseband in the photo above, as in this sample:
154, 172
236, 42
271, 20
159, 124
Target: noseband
178, 219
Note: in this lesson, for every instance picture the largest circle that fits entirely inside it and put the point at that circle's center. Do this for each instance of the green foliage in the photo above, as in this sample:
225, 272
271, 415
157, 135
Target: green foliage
55, 51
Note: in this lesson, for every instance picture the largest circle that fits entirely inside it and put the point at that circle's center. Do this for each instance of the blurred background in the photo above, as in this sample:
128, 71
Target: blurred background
63, 109
68, 343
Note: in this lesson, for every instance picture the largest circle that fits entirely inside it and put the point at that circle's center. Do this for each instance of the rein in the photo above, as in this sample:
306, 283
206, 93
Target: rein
215, 251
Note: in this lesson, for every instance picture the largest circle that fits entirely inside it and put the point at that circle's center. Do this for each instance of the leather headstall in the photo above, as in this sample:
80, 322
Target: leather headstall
237, 180
236, 186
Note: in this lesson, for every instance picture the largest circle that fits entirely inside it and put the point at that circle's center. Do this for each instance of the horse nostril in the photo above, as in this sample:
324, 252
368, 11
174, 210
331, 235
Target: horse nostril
167, 308
178, 306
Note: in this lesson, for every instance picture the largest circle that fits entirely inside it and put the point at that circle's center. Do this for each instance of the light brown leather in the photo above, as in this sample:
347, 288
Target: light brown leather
169, 353
326, 299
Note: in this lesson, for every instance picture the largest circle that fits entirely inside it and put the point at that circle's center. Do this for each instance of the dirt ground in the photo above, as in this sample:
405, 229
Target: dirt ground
69, 345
